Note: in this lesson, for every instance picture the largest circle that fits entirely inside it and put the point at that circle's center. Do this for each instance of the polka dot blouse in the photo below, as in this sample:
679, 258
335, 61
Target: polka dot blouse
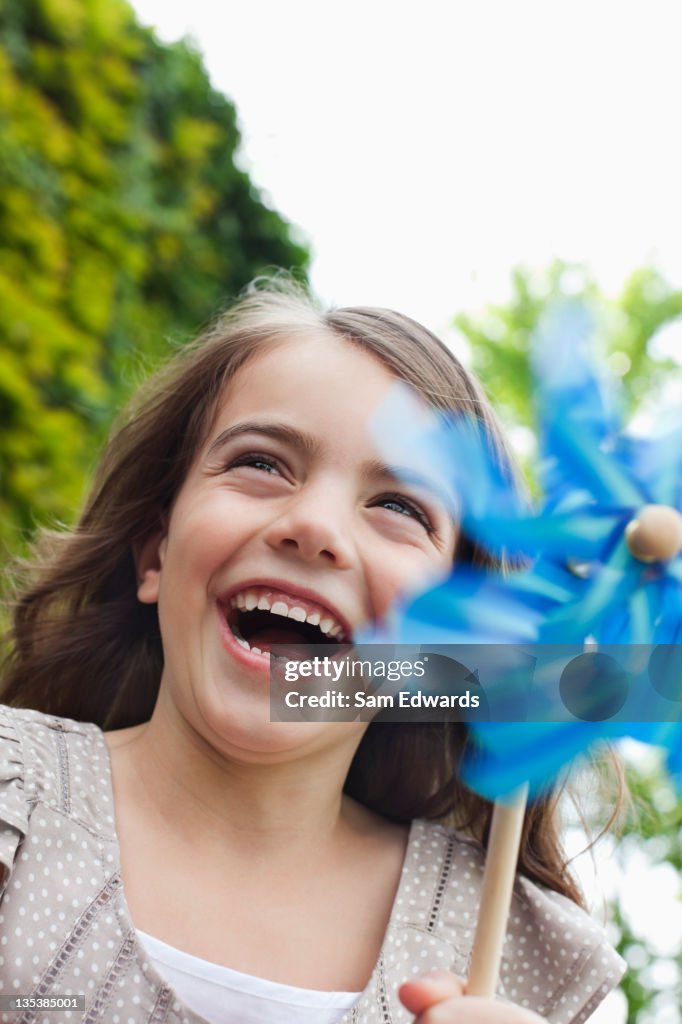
65, 926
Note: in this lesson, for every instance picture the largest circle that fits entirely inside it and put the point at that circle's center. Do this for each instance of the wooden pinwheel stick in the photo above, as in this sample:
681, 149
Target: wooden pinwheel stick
496, 893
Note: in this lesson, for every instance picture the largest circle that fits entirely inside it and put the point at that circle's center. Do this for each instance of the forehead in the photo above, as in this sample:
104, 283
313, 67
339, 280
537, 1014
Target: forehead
307, 374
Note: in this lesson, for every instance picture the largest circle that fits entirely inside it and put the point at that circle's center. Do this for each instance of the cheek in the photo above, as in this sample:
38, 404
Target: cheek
203, 532
405, 572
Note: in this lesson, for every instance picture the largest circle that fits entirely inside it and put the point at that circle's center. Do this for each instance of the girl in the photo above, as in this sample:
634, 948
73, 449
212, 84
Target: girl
170, 853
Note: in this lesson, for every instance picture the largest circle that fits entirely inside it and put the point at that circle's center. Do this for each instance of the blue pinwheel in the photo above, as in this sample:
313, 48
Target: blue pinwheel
604, 547
628, 590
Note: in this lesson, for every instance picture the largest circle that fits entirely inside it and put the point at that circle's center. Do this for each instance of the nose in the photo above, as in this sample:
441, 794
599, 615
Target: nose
315, 527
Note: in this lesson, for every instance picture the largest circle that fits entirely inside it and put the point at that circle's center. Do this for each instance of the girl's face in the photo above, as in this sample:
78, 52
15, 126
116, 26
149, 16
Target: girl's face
286, 514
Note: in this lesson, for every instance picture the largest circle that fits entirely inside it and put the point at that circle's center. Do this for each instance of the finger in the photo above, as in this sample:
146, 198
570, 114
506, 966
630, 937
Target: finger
429, 989
473, 1010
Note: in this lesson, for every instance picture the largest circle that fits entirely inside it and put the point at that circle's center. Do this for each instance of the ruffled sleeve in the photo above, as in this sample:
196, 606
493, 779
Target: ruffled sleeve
13, 805
570, 952
556, 960
598, 974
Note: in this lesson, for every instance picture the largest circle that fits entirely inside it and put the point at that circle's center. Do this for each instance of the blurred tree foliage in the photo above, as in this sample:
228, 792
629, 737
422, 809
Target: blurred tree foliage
625, 329
630, 332
124, 221
653, 830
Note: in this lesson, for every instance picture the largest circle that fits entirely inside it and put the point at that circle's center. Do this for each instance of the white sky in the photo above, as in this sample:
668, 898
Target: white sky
424, 150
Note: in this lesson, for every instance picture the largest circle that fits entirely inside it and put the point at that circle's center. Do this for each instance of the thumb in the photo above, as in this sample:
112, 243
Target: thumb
429, 989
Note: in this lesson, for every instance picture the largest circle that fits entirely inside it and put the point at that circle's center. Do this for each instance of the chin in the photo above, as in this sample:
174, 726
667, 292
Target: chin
244, 733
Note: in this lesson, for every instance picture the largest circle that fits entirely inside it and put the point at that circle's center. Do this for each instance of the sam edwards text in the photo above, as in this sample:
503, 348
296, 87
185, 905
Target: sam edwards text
360, 699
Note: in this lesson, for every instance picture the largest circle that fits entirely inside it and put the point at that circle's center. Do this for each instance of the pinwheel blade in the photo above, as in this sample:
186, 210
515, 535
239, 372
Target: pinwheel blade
578, 412
472, 607
511, 753
567, 384
656, 462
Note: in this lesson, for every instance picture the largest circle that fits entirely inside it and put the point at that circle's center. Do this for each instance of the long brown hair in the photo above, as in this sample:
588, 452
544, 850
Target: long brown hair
84, 647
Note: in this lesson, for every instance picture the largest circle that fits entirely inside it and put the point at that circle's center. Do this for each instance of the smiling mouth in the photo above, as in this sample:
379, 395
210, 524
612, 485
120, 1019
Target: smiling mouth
260, 618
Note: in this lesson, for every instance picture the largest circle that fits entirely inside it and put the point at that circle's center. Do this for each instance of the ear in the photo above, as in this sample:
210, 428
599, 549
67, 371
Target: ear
149, 557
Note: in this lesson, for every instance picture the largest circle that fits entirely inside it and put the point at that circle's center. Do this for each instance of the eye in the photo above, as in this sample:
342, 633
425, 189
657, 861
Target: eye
256, 460
405, 507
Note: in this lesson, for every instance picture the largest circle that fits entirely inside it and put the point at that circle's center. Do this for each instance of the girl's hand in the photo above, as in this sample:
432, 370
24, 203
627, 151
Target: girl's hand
437, 998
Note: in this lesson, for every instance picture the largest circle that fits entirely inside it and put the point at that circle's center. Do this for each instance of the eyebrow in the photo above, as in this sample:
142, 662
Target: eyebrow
309, 445
299, 439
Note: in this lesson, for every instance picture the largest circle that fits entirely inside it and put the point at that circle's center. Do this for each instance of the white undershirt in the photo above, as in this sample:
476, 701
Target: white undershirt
224, 996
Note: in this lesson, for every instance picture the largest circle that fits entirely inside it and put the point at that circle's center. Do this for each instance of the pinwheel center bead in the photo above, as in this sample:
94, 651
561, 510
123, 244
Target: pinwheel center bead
655, 535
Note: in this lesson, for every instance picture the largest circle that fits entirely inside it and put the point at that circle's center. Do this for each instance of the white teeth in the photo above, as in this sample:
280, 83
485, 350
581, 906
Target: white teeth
250, 600
257, 650
247, 646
